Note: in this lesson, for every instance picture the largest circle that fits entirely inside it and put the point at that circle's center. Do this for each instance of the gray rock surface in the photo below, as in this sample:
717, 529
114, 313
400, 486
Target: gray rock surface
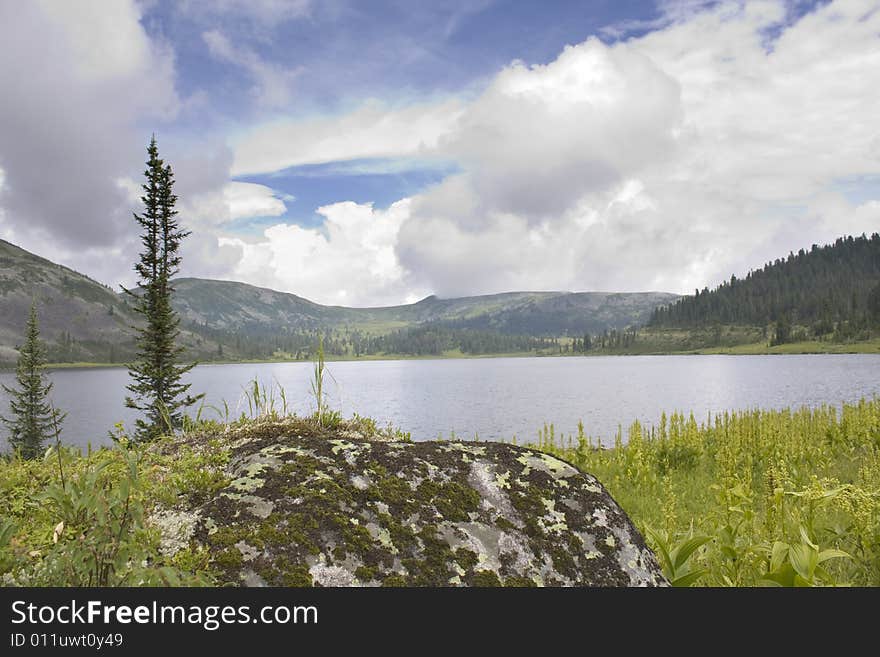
305, 505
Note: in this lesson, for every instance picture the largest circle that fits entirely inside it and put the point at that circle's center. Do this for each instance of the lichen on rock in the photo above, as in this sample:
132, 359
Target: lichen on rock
312, 506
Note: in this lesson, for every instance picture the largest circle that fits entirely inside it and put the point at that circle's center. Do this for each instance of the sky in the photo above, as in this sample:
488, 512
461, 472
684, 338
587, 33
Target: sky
366, 152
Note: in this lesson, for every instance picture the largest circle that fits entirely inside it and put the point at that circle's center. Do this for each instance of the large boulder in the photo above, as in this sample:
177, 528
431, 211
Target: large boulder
311, 506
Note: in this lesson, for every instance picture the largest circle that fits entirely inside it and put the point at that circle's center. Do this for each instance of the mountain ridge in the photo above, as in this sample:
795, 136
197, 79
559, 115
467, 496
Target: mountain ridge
82, 319
232, 305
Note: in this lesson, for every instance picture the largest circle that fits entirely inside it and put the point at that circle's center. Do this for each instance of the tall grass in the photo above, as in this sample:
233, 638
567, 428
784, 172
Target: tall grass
318, 382
781, 497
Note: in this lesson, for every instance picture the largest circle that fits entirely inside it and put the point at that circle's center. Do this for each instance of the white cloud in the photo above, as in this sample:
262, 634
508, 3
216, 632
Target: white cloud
667, 162
207, 255
374, 130
106, 40
77, 82
252, 200
235, 200
540, 137
273, 84
351, 262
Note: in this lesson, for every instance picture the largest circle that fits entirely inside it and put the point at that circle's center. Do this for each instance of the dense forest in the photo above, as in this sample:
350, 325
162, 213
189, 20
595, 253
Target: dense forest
431, 339
828, 290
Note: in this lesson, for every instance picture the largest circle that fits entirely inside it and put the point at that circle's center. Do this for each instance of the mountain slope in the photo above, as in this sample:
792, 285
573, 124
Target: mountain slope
83, 320
826, 288
231, 306
566, 313
80, 319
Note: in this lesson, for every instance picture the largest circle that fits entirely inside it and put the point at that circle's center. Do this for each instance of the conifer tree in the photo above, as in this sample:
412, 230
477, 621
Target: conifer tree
156, 387
33, 419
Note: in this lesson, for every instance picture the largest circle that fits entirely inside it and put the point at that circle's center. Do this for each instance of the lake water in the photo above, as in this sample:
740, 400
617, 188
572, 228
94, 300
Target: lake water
497, 398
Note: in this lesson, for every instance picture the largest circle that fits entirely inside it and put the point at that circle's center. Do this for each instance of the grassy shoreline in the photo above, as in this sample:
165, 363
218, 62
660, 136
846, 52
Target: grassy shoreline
754, 498
785, 497
751, 349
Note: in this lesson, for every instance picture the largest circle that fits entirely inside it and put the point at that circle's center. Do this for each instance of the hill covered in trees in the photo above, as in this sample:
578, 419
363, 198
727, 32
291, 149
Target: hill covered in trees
831, 290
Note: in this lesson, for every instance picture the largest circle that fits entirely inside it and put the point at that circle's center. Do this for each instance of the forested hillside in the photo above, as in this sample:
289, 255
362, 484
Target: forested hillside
832, 289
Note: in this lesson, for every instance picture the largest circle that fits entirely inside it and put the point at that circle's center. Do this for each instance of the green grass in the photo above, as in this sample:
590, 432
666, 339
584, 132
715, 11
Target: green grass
744, 499
75, 518
807, 347
736, 340
788, 496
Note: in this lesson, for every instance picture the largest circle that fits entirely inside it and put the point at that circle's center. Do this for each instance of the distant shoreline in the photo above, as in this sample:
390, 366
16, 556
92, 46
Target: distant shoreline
754, 349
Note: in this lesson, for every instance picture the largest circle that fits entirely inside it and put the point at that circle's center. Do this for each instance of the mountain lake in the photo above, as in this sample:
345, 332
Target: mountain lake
491, 398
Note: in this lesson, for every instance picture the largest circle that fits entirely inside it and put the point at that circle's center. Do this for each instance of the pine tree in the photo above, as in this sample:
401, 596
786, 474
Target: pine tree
156, 388
33, 419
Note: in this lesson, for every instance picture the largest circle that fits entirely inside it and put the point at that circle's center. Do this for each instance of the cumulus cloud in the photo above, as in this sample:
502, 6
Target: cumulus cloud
80, 84
208, 255
541, 137
551, 155
273, 84
667, 161
351, 261
77, 82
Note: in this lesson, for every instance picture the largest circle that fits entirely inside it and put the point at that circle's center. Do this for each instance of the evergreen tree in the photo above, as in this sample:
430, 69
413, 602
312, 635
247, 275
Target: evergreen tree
156, 388
821, 288
873, 304
783, 331
33, 419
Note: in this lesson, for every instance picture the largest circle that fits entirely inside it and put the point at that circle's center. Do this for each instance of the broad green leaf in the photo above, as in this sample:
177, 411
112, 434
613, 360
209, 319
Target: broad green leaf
777, 555
804, 560
805, 537
832, 553
782, 577
800, 582
766, 582
124, 488
666, 562
823, 576
682, 553
834, 492
689, 579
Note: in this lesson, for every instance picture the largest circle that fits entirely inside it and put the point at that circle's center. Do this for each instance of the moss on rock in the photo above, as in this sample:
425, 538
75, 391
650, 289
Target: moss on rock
305, 505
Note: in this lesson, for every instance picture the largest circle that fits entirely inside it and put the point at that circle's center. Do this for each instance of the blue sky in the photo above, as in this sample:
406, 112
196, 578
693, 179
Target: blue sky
346, 52
385, 49
370, 153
